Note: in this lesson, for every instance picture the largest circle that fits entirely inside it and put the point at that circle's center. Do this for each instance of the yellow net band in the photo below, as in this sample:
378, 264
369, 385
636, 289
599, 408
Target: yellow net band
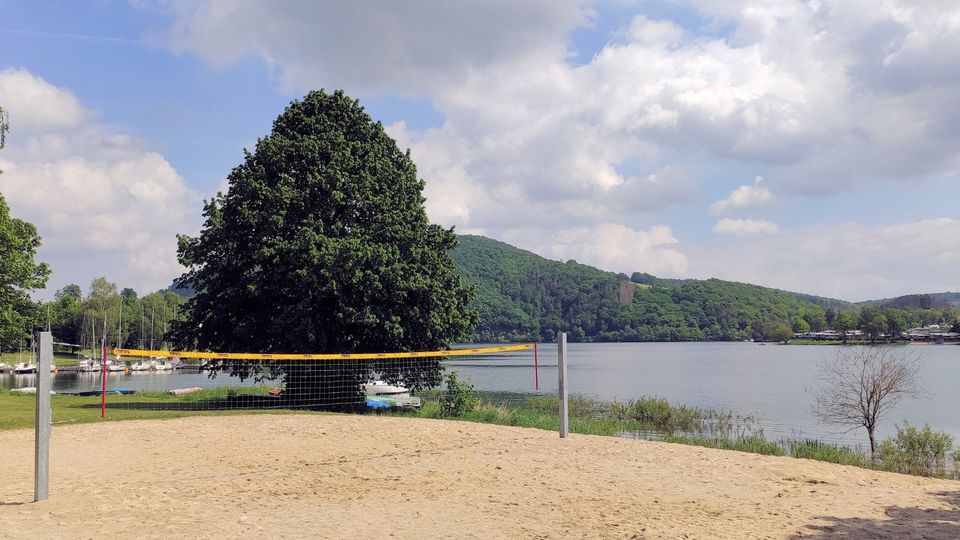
345, 356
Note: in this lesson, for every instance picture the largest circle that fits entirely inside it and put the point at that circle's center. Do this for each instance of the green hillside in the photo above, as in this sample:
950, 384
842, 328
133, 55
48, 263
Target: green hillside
825, 303
918, 301
522, 296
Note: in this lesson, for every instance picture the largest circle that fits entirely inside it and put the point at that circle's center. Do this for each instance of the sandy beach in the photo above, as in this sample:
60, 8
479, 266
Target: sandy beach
341, 476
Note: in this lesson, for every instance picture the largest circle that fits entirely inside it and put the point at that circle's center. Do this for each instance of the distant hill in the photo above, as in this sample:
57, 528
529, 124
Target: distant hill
826, 303
521, 295
183, 292
919, 301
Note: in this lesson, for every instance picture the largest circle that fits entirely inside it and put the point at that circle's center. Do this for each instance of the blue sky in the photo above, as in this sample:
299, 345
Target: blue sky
625, 134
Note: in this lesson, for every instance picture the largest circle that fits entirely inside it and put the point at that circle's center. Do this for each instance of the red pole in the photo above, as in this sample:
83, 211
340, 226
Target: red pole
103, 383
536, 369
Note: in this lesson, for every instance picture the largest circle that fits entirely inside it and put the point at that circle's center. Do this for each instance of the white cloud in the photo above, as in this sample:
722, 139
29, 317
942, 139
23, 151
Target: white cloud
36, 106
744, 198
371, 46
822, 95
743, 227
101, 202
818, 97
852, 261
611, 246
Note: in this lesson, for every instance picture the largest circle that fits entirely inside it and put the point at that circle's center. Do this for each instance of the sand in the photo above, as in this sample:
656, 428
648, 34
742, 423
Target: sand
341, 476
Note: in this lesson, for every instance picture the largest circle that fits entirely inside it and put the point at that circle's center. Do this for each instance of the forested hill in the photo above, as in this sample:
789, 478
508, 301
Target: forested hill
920, 301
522, 296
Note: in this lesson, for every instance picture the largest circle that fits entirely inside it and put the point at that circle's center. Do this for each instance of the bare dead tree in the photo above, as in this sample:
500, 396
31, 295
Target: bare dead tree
860, 385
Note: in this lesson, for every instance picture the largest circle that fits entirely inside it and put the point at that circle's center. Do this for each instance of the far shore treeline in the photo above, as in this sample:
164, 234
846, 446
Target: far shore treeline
522, 296
82, 318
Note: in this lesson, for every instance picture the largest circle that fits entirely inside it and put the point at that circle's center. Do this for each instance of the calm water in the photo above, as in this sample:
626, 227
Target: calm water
769, 381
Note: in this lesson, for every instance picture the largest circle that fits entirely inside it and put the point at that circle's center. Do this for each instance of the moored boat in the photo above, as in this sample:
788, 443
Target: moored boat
160, 364
24, 368
140, 366
88, 365
116, 365
382, 388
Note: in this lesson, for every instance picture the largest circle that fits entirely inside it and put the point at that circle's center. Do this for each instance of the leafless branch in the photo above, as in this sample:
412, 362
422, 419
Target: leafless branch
860, 385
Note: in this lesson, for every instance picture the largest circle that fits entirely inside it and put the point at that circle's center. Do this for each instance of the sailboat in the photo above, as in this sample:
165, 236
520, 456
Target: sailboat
88, 365
29, 366
24, 367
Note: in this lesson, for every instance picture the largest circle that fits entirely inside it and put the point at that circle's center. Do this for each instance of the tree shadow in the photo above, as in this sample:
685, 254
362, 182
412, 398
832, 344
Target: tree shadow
929, 523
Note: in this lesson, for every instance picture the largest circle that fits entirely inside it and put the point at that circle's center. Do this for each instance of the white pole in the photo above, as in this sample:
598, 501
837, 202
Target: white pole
562, 380
43, 417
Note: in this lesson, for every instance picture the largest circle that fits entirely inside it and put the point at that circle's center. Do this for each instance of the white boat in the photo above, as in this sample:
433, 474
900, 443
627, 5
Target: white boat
160, 364
24, 367
88, 365
140, 366
5, 367
382, 388
116, 365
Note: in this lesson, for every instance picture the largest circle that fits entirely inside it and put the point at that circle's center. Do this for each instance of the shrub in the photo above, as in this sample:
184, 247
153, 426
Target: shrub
916, 451
661, 414
821, 451
458, 398
754, 444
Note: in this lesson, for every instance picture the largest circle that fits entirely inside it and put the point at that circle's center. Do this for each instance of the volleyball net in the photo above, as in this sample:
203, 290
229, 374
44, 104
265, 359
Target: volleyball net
198, 380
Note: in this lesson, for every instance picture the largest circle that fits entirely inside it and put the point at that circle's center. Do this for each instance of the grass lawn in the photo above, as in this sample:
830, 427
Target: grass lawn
18, 410
59, 359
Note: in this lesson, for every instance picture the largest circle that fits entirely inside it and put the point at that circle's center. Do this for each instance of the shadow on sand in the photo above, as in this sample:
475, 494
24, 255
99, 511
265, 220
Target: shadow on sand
901, 522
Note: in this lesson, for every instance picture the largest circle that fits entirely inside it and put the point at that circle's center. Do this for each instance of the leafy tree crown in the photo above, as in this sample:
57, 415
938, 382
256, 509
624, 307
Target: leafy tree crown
19, 272
322, 243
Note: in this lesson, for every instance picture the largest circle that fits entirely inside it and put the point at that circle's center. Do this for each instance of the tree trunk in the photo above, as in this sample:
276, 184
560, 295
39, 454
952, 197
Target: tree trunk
873, 444
328, 384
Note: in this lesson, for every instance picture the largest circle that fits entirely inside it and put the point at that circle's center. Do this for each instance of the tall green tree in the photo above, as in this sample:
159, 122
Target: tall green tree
872, 322
19, 271
843, 323
896, 323
322, 244
65, 314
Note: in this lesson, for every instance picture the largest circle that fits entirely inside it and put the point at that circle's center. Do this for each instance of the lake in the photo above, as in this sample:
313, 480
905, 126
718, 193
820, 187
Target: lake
771, 381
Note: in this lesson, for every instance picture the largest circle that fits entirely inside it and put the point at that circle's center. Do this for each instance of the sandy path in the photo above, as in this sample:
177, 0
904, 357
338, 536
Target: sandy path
335, 476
